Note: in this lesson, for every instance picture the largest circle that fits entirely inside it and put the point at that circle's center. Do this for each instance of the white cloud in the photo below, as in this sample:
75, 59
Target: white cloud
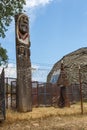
34, 3
34, 67
32, 6
10, 71
38, 74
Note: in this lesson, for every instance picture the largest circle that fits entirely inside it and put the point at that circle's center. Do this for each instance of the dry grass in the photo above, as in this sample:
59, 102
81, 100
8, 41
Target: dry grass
44, 112
47, 118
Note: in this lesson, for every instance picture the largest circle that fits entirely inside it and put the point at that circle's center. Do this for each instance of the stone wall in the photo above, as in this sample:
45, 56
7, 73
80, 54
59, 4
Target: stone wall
71, 66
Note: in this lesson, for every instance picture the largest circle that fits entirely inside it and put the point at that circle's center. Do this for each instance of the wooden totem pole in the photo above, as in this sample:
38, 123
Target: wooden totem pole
24, 98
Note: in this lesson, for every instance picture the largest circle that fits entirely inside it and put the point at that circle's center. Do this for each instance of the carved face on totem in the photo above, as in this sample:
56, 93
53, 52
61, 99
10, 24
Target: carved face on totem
23, 29
23, 25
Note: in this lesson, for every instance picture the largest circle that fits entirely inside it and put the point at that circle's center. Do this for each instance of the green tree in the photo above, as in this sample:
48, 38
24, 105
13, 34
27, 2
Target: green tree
3, 56
8, 9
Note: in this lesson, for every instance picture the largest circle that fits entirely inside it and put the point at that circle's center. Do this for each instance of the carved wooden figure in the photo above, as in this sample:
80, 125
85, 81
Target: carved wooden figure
24, 98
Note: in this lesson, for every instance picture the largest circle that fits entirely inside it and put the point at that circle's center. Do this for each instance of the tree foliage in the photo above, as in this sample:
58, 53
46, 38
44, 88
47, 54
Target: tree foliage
8, 9
3, 56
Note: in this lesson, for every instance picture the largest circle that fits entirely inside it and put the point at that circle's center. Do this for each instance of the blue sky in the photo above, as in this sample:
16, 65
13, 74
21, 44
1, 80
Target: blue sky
57, 27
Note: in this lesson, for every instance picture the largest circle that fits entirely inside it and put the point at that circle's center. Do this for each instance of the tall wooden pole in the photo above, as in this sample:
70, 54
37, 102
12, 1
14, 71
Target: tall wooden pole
81, 95
24, 98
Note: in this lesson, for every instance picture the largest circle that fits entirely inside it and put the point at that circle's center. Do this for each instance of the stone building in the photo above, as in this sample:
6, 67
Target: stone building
71, 64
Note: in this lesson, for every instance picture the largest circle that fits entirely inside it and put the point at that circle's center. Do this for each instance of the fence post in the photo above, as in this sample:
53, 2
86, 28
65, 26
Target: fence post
81, 95
37, 95
6, 92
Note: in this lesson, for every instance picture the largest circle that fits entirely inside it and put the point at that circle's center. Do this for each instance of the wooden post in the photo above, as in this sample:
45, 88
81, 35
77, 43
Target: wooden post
81, 95
7, 93
24, 86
